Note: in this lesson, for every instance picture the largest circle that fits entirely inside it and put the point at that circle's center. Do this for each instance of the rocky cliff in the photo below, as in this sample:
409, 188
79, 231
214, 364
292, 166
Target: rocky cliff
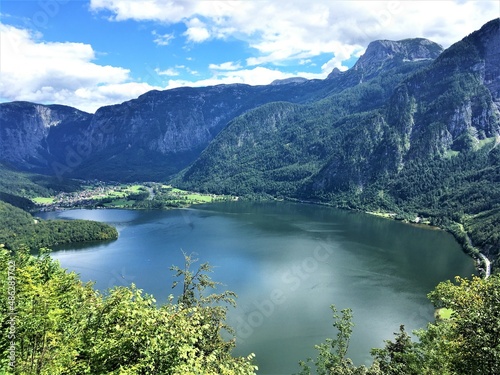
436, 112
26, 131
385, 54
382, 55
453, 103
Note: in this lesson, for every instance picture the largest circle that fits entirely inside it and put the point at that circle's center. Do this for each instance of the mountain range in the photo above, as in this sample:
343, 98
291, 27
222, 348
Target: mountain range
411, 129
162, 132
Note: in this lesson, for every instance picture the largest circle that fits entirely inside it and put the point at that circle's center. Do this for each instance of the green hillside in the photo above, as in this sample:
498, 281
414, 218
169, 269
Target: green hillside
414, 141
19, 229
33, 185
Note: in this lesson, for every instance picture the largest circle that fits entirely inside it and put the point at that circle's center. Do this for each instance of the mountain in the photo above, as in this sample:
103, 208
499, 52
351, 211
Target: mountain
150, 137
27, 129
276, 148
410, 129
288, 81
404, 108
386, 54
161, 132
447, 107
416, 140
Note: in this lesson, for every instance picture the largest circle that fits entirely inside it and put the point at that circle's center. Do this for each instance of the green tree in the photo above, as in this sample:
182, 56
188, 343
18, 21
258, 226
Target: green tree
467, 343
63, 326
473, 332
399, 357
196, 283
332, 353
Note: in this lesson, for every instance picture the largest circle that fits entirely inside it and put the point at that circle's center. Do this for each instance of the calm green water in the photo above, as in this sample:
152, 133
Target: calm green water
287, 263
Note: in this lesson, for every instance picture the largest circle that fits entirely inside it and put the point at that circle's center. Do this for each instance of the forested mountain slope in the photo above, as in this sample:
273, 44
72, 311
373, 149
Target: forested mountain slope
161, 132
414, 142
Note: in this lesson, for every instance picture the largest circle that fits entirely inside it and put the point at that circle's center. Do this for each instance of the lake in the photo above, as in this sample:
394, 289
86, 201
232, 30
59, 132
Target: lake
287, 262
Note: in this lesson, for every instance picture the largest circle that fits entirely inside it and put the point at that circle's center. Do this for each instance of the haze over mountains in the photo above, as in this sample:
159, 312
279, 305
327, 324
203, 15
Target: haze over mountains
410, 129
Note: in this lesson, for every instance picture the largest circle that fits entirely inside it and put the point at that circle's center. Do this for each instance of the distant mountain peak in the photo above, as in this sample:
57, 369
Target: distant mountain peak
335, 73
287, 81
386, 54
380, 51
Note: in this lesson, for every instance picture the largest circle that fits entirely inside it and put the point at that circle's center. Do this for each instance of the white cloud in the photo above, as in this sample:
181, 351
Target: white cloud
162, 40
156, 10
300, 29
197, 31
62, 73
167, 72
230, 65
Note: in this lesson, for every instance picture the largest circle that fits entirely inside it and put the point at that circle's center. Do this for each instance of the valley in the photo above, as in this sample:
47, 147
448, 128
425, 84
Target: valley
272, 183
410, 130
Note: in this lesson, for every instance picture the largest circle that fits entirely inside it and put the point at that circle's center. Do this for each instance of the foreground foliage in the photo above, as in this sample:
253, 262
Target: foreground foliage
63, 326
466, 343
58, 325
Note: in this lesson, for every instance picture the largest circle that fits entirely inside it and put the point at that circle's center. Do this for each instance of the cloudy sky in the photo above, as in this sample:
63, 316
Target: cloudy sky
90, 53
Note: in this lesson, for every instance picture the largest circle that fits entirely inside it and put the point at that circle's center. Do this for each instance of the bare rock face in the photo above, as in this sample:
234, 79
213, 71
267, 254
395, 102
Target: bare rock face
455, 102
489, 39
171, 121
26, 127
386, 54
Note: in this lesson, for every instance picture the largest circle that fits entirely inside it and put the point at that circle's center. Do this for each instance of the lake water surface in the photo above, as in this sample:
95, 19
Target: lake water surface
288, 263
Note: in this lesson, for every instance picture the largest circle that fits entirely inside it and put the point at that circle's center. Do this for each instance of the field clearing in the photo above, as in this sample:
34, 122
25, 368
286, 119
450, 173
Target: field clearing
199, 197
43, 200
134, 188
150, 195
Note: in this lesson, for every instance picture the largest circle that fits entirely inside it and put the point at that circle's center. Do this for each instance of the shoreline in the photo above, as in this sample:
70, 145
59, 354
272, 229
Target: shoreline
459, 233
467, 246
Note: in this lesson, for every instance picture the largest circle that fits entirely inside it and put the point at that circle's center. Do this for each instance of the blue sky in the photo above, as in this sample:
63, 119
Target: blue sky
90, 53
